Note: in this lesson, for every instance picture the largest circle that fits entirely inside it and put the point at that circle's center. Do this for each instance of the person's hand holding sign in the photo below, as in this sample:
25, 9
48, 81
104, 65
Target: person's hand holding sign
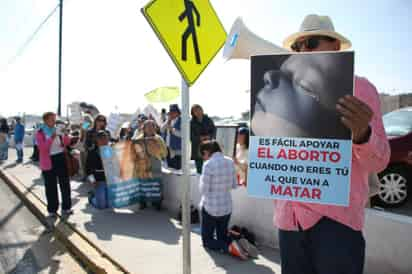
356, 116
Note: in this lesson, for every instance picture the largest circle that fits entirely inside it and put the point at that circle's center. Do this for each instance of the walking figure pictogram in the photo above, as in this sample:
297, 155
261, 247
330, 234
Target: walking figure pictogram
190, 8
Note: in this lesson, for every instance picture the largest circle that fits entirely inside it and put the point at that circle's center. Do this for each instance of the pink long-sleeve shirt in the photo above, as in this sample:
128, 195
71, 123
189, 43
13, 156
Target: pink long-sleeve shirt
44, 144
372, 156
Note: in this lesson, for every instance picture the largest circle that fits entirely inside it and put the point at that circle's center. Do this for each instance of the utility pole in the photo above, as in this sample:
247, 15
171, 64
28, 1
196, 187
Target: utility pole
59, 103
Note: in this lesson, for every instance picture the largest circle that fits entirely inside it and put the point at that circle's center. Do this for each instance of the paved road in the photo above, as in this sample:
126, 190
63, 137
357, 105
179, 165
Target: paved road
24, 246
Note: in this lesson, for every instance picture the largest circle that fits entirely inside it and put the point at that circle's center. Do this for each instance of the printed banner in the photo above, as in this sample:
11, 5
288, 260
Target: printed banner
75, 113
134, 191
113, 124
299, 148
123, 187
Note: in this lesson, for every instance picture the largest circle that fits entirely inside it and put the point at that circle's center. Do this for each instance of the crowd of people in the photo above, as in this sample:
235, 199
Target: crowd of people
57, 143
313, 238
63, 149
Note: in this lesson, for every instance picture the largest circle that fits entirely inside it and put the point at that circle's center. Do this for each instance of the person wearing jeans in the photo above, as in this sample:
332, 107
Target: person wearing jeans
53, 165
217, 180
212, 224
18, 139
95, 172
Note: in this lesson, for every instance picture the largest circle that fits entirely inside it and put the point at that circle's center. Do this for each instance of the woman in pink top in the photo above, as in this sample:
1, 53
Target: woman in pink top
51, 145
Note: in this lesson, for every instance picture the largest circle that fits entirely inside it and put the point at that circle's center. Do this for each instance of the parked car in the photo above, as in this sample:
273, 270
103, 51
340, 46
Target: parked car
395, 182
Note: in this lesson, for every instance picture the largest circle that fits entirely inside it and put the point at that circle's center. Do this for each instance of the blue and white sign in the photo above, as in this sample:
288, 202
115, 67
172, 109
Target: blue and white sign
300, 169
134, 191
300, 149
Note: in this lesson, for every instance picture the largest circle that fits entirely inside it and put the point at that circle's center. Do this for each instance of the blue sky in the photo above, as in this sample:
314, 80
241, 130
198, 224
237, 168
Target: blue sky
111, 56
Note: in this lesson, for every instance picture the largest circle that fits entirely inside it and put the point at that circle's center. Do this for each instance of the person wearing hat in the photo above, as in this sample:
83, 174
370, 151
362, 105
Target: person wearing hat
325, 239
171, 131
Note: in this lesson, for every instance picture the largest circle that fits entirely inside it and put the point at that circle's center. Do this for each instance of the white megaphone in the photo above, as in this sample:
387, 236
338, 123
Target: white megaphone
242, 43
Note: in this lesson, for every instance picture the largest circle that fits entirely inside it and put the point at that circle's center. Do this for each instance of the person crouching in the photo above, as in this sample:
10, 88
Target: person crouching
95, 172
217, 180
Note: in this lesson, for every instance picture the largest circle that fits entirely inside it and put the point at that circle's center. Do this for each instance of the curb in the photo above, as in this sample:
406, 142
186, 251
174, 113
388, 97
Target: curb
94, 259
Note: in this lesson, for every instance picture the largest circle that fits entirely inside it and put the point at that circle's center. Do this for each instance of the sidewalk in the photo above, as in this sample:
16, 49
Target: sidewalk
144, 241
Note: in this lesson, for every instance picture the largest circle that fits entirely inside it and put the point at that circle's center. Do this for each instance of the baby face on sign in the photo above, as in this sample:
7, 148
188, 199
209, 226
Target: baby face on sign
299, 99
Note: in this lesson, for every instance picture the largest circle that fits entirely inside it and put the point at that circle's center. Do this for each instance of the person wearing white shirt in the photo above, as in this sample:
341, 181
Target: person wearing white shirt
217, 180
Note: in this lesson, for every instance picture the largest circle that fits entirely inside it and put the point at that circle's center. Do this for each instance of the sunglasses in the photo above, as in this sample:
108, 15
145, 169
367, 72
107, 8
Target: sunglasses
310, 43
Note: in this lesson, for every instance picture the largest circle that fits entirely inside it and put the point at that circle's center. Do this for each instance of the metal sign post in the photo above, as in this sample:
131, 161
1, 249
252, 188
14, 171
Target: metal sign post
59, 99
200, 23
186, 177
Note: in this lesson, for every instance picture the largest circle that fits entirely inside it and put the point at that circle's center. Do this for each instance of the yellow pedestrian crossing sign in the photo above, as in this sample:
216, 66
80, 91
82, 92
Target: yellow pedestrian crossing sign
190, 31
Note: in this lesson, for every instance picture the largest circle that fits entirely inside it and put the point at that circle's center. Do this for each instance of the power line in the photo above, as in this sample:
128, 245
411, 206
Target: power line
31, 37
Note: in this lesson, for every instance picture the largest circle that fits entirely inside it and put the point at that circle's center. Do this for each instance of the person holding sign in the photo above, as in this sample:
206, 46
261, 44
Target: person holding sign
150, 150
95, 172
325, 239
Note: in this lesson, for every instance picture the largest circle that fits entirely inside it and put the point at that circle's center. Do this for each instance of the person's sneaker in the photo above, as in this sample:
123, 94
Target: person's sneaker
250, 249
236, 251
52, 215
50, 220
67, 212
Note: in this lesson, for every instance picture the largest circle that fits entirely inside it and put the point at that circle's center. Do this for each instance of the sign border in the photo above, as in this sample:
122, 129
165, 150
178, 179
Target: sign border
169, 51
351, 152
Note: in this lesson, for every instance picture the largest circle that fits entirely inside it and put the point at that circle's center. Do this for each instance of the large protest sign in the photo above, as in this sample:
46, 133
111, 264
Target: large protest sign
299, 148
123, 187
